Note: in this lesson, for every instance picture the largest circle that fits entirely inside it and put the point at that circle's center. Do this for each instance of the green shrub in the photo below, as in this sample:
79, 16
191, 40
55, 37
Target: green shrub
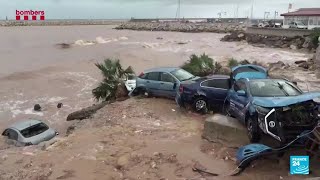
315, 37
232, 63
199, 65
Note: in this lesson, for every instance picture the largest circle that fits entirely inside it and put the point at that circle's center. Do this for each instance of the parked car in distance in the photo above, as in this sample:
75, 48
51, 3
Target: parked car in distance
203, 93
161, 81
297, 25
275, 107
29, 132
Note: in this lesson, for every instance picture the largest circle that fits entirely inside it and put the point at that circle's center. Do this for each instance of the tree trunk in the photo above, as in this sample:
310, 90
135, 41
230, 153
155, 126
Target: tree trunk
122, 91
86, 112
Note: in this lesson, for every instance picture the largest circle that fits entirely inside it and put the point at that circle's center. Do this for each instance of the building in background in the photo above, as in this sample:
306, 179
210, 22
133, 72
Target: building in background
310, 17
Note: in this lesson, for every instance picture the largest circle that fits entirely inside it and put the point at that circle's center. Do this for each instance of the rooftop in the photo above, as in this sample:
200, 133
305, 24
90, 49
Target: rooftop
304, 12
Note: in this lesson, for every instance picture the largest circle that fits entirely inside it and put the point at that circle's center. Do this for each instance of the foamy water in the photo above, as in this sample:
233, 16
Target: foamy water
98, 40
34, 71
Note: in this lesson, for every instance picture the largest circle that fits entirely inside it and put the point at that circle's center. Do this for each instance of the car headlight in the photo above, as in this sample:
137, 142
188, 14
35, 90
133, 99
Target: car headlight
316, 100
262, 110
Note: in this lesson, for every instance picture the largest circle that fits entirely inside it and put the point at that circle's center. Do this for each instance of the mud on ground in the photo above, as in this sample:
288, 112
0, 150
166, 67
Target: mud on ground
134, 139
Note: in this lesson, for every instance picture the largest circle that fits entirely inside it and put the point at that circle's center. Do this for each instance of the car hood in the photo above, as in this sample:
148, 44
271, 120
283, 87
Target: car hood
45, 136
284, 101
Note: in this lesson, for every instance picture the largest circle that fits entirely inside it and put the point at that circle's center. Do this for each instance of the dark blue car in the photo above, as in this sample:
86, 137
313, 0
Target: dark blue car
275, 107
211, 92
203, 93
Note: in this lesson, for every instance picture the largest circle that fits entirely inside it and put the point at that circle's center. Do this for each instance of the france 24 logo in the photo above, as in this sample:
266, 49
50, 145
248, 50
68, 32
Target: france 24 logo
299, 165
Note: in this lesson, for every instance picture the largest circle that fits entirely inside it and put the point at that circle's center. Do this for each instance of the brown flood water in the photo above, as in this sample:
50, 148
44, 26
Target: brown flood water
33, 69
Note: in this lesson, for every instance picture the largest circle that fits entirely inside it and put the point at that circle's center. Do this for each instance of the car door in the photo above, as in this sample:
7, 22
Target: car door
216, 90
240, 101
152, 82
168, 85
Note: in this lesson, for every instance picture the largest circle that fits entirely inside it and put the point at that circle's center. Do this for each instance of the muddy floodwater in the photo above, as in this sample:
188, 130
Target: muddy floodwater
34, 69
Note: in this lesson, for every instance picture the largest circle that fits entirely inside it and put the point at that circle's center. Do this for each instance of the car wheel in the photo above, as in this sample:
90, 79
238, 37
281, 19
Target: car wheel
227, 109
253, 130
200, 105
144, 92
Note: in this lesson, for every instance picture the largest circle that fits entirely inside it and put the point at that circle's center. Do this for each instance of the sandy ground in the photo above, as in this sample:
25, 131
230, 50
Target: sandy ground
134, 139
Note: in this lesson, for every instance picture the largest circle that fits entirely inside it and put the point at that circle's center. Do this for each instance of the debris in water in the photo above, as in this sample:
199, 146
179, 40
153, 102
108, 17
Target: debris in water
37, 107
59, 105
64, 45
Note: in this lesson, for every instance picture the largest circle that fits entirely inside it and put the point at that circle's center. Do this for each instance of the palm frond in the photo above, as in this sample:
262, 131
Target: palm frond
113, 73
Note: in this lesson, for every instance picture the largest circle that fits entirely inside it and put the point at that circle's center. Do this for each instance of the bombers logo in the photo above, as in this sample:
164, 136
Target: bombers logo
33, 14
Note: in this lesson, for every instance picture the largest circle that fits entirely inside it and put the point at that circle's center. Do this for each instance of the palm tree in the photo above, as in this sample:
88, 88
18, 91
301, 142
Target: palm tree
113, 75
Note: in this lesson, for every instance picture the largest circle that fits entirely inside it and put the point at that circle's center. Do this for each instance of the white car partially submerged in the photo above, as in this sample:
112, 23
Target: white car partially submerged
130, 82
29, 132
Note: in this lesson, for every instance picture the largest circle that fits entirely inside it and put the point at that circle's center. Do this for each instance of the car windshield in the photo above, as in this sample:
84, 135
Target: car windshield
273, 88
300, 23
34, 130
182, 75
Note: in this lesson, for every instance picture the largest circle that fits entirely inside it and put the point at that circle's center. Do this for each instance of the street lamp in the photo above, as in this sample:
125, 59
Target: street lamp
221, 13
266, 14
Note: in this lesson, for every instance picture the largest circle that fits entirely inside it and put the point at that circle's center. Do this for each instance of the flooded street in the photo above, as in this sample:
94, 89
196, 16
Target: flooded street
35, 70
140, 138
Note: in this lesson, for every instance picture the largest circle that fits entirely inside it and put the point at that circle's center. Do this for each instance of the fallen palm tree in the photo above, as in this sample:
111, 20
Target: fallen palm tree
111, 88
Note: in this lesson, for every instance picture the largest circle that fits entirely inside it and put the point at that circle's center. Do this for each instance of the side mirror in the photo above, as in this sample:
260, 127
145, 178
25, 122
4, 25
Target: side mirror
174, 85
295, 83
241, 93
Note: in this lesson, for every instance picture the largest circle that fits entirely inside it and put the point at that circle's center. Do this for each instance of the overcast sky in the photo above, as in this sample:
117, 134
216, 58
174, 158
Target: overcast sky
120, 9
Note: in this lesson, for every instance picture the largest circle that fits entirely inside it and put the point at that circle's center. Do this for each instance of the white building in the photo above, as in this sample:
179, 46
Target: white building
308, 16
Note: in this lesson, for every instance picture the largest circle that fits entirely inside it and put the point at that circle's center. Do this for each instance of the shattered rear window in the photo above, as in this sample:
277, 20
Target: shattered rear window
34, 130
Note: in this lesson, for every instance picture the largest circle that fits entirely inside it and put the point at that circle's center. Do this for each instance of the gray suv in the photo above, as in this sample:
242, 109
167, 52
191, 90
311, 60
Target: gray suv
161, 81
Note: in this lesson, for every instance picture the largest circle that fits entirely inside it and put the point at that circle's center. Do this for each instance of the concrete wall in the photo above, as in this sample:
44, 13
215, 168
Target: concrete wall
278, 31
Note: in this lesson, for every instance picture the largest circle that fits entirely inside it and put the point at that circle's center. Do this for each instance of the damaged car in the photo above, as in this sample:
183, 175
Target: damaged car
275, 107
29, 132
161, 82
203, 94
210, 92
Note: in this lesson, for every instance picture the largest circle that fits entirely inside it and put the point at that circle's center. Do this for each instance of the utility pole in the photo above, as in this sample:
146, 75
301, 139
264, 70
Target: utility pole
266, 14
252, 10
178, 10
275, 17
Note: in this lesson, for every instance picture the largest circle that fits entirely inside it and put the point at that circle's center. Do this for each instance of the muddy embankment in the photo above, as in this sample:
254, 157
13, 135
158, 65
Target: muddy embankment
182, 27
297, 42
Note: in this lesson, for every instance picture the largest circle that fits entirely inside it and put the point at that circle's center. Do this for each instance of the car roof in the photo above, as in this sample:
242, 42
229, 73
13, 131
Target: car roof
162, 69
218, 76
21, 125
264, 80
